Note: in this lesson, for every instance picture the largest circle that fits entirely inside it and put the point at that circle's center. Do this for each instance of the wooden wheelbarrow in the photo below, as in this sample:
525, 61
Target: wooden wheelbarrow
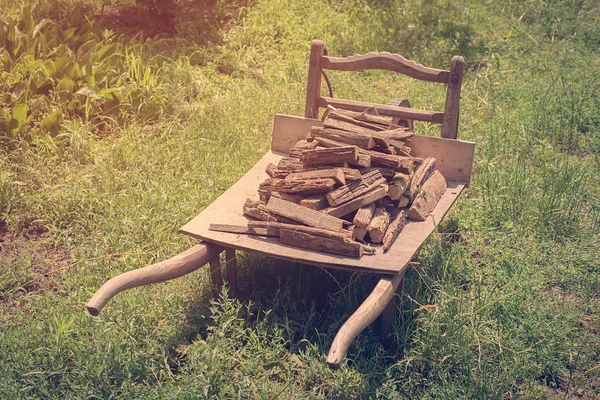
454, 161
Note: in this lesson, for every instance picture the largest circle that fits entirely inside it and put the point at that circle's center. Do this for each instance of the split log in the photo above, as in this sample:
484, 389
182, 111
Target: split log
401, 134
393, 230
258, 210
318, 243
391, 150
337, 174
355, 188
294, 198
305, 145
329, 156
380, 139
421, 174
304, 215
307, 186
288, 165
245, 230
403, 202
429, 195
397, 186
364, 215
344, 234
315, 202
387, 173
350, 174
362, 219
363, 161
360, 140
271, 170
366, 117
357, 203
379, 224
346, 118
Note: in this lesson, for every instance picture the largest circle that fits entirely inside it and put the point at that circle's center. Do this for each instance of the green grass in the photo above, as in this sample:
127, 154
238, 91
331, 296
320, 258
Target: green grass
501, 302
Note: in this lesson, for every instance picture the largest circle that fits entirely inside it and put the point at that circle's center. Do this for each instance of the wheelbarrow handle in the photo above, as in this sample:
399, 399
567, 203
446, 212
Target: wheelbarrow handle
179, 265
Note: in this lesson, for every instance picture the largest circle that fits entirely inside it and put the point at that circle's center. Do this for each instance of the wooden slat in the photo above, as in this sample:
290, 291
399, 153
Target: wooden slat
452, 106
387, 61
304, 215
384, 109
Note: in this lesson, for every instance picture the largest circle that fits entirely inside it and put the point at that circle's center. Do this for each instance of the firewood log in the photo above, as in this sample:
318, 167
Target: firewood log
347, 138
315, 202
355, 188
306, 186
393, 230
329, 155
356, 203
304, 215
429, 195
422, 172
337, 174
397, 185
379, 224
318, 243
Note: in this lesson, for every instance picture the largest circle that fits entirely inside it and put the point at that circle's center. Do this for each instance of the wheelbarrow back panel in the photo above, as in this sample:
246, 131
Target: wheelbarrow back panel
454, 161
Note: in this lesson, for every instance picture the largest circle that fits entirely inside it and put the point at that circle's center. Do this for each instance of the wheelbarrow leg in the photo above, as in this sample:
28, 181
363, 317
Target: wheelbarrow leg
230, 271
216, 279
368, 311
179, 265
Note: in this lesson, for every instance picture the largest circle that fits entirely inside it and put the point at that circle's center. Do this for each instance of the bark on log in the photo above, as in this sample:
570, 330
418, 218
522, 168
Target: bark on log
307, 186
379, 224
422, 173
329, 155
357, 203
401, 134
271, 170
342, 235
366, 117
355, 189
305, 145
304, 215
393, 230
288, 165
337, 174
429, 195
363, 161
380, 139
245, 230
387, 173
346, 118
318, 243
350, 174
360, 140
398, 185
364, 215
258, 210
294, 198
315, 202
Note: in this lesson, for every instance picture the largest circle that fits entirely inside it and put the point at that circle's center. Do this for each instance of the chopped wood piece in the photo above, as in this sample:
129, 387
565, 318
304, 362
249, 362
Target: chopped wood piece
387, 173
363, 161
366, 117
307, 186
386, 150
342, 117
287, 165
363, 216
379, 224
330, 155
337, 174
296, 153
399, 134
393, 230
271, 170
368, 250
403, 202
355, 188
305, 145
315, 202
350, 174
342, 235
294, 198
356, 203
429, 195
244, 230
397, 185
258, 210
422, 173
304, 215
380, 139
318, 243
360, 233
356, 139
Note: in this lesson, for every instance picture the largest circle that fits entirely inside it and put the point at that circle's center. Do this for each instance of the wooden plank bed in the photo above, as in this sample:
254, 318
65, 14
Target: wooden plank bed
454, 161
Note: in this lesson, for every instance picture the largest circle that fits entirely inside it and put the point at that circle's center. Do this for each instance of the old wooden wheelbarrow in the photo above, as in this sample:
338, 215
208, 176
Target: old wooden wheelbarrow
454, 161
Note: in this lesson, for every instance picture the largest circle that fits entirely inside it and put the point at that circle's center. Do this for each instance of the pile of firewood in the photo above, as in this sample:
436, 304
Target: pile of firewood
351, 182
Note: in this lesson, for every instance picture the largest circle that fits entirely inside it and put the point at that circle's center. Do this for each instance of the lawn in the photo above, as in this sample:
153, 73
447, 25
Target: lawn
116, 130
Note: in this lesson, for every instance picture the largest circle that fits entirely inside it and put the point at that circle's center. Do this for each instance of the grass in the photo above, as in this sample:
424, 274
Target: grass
502, 301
